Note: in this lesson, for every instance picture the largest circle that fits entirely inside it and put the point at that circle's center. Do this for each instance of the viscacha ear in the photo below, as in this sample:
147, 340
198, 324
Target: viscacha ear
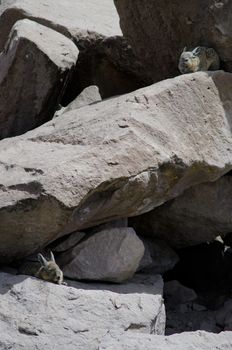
197, 50
52, 256
42, 260
184, 49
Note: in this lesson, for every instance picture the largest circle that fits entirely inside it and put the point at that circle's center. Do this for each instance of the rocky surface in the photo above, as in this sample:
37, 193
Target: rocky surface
34, 68
158, 31
88, 96
186, 341
69, 17
37, 314
158, 257
109, 255
200, 214
105, 59
117, 158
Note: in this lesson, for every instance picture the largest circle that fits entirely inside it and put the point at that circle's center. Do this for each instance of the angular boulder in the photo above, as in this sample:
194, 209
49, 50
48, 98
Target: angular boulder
44, 315
69, 17
109, 255
159, 30
34, 68
199, 215
105, 59
117, 158
88, 96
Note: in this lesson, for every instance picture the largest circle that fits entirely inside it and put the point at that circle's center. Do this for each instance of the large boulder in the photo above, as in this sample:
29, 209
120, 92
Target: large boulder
105, 59
36, 315
34, 68
159, 30
185, 341
118, 158
69, 17
109, 255
199, 215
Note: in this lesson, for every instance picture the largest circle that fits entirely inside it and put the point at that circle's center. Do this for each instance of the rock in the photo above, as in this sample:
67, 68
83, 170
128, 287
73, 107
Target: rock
185, 341
175, 293
109, 63
88, 96
158, 31
197, 216
224, 315
109, 255
118, 158
34, 68
69, 17
43, 315
65, 243
159, 257
105, 59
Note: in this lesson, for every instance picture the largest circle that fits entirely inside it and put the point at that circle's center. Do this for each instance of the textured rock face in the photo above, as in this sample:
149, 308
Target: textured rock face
185, 341
34, 67
117, 158
110, 255
69, 17
105, 59
88, 96
36, 315
159, 30
159, 257
199, 215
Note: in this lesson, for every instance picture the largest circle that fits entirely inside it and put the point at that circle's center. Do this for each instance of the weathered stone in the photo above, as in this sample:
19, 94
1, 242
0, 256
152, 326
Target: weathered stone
176, 293
118, 158
65, 243
36, 315
69, 17
198, 215
109, 63
88, 96
159, 30
186, 341
34, 67
109, 255
158, 257
105, 59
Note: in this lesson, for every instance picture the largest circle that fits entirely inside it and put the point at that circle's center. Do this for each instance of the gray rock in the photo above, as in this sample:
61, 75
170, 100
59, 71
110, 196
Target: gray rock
198, 215
159, 257
176, 293
109, 255
88, 96
117, 158
185, 341
66, 243
159, 30
69, 17
34, 67
105, 59
44, 315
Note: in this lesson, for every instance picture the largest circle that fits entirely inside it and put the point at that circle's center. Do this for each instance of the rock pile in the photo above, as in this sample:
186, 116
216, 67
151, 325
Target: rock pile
126, 182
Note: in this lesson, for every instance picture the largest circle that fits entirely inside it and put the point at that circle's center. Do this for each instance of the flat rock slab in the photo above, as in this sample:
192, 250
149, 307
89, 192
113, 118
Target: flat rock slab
117, 158
36, 315
66, 16
184, 341
34, 68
